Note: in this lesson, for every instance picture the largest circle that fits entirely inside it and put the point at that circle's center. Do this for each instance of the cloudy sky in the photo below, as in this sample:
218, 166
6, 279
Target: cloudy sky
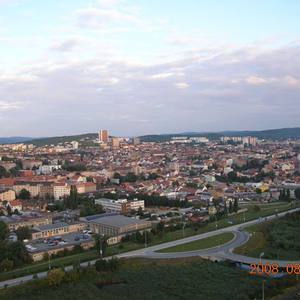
140, 66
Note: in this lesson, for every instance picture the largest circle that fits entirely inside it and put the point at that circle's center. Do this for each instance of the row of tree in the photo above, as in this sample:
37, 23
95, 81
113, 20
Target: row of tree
12, 254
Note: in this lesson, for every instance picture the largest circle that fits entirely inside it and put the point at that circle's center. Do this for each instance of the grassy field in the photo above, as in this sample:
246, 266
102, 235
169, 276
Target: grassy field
278, 239
266, 209
206, 243
190, 278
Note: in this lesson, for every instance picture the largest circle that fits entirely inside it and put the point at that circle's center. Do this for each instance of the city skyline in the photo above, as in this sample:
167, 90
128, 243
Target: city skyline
139, 68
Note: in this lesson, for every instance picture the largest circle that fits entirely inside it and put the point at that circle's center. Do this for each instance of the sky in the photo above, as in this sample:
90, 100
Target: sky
147, 67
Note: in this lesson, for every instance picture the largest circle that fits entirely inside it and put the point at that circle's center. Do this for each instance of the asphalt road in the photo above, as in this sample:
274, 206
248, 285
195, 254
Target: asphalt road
223, 252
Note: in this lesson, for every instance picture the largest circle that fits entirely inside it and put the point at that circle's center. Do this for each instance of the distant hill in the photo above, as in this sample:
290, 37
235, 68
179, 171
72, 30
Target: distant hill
61, 139
14, 139
274, 134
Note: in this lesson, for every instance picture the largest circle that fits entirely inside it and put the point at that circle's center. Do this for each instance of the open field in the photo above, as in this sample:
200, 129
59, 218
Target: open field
206, 243
190, 278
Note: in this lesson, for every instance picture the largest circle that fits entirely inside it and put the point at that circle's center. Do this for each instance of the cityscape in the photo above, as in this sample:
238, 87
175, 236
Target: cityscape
101, 197
149, 150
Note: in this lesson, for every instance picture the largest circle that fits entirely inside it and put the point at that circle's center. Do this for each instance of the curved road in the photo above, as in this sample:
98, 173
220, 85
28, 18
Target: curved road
223, 252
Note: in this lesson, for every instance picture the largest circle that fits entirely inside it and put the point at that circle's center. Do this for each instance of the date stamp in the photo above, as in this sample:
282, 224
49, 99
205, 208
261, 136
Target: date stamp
273, 269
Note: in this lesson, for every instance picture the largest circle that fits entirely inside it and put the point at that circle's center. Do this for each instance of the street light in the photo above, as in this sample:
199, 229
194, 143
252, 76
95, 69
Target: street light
100, 245
145, 238
49, 264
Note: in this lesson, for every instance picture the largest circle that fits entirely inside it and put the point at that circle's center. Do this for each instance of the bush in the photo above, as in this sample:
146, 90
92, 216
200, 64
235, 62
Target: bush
101, 265
6, 265
55, 277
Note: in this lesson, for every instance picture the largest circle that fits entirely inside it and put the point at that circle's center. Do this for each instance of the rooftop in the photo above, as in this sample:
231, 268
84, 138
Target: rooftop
117, 221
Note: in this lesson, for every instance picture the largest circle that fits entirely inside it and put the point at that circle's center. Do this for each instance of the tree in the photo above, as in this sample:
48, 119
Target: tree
3, 172
72, 201
101, 243
140, 212
6, 265
23, 233
232, 176
235, 205
101, 265
256, 208
18, 253
230, 207
24, 194
55, 277
3, 230
297, 193
8, 209
288, 195
225, 209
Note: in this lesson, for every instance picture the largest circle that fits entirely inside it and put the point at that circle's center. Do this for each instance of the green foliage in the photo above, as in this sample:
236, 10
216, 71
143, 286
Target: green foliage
55, 277
256, 208
24, 194
90, 208
78, 167
155, 200
23, 232
100, 244
6, 265
3, 230
3, 172
110, 265
166, 279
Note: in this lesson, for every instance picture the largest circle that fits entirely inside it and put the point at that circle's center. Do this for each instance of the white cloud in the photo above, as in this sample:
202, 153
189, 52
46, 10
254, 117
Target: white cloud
182, 85
256, 80
100, 17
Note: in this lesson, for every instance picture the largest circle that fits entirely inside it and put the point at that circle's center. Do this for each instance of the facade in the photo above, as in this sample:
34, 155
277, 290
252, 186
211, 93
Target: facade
61, 190
136, 204
86, 187
30, 220
32, 188
103, 136
121, 206
49, 230
9, 195
111, 205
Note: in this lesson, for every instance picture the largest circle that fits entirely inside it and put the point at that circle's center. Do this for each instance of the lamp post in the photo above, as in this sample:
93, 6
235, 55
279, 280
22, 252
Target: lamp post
145, 238
183, 226
100, 245
49, 263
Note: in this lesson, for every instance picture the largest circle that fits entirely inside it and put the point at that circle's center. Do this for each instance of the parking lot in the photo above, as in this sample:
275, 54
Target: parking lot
62, 241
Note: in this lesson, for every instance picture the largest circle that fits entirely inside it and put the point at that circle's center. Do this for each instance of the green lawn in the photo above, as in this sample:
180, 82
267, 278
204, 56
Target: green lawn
266, 209
190, 278
206, 243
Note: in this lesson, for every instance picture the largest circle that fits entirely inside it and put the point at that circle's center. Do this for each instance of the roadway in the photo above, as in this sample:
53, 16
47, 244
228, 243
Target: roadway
222, 252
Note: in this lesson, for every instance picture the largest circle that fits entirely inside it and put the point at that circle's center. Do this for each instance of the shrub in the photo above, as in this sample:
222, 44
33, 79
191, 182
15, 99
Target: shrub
55, 277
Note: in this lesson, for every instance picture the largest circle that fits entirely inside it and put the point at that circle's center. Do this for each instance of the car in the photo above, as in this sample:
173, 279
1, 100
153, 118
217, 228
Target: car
77, 238
51, 244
